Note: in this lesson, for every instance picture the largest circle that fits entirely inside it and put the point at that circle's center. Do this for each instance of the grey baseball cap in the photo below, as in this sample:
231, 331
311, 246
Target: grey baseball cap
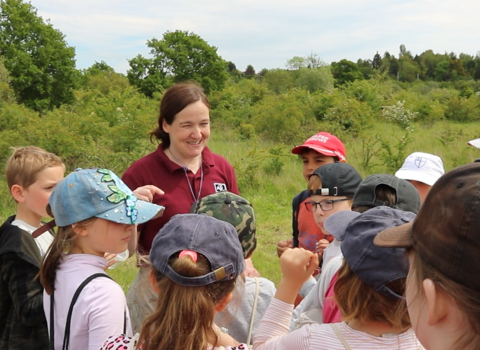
215, 239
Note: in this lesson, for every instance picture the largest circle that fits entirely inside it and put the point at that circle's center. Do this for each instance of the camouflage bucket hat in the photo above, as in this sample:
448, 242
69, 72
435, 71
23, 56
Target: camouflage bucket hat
237, 211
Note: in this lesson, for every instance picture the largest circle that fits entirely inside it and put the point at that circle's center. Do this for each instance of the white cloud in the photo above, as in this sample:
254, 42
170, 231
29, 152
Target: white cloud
266, 33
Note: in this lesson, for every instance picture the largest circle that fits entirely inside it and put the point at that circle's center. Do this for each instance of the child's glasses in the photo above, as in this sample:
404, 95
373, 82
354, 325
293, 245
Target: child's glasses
326, 204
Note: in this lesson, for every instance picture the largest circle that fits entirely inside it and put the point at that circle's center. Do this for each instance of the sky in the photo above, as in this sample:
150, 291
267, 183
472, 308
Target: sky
265, 33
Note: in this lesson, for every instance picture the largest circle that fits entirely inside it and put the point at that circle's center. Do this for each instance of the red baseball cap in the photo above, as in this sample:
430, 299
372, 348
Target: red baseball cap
324, 143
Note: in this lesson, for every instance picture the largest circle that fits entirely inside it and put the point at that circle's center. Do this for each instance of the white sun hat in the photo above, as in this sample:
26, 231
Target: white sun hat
422, 167
474, 143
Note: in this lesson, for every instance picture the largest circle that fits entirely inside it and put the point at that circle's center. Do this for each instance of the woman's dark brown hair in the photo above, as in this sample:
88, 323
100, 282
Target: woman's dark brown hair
175, 99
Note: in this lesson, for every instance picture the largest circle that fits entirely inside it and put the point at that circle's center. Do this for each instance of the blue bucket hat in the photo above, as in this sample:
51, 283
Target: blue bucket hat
215, 239
88, 193
376, 266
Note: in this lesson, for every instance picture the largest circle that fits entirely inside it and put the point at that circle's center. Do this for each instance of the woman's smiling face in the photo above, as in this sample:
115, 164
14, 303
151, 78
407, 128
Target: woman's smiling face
189, 131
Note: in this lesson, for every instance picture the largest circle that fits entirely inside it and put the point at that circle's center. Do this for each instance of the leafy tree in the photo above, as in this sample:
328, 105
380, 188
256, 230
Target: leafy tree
377, 61
311, 61
179, 56
315, 79
6, 93
345, 71
99, 67
41, 64
295, 63
249, 72
314, 61
279, 80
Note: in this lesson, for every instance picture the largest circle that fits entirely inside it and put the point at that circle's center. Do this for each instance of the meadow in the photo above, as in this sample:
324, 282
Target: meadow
269, 175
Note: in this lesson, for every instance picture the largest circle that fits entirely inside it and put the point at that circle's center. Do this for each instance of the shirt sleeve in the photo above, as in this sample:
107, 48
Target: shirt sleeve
273, 330
25, 289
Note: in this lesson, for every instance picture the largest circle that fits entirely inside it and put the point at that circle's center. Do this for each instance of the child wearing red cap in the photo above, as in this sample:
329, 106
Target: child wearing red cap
320, 149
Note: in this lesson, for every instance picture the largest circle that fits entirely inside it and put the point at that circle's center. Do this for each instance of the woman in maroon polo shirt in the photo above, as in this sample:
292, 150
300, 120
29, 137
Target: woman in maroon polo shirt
183, 168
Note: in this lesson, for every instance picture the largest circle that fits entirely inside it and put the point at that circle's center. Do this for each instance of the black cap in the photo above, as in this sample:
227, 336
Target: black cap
408, 198
338, 179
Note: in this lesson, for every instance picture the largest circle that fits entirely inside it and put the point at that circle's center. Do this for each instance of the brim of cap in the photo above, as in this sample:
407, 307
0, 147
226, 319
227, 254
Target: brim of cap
474, 143
325, 152
337, 223
145, 212
395, 237
417, 176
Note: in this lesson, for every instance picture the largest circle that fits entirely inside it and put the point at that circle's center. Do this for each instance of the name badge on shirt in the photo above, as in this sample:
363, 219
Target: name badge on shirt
219, 187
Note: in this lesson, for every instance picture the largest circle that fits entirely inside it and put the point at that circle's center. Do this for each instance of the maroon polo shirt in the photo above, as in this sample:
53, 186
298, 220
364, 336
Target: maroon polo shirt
157, 169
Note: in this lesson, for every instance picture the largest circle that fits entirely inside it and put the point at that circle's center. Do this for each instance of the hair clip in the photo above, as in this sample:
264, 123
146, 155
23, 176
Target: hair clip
189, 253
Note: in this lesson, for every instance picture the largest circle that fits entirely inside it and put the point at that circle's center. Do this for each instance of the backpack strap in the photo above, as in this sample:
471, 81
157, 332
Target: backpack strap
66, 338
297, 200
254, 309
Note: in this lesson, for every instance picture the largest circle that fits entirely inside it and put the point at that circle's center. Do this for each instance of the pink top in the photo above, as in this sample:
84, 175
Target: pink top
99, 310
331, 312
272, 334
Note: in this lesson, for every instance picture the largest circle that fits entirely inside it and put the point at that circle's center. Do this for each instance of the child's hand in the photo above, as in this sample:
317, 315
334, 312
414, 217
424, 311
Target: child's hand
250, 270
284, 245
320, 247
297, 266
146, 193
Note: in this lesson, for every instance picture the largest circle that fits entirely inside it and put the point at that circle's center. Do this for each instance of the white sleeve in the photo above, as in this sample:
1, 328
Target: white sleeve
315, 299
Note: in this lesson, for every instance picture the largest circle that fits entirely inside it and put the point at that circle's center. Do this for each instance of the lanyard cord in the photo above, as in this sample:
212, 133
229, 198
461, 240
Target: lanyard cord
185, 169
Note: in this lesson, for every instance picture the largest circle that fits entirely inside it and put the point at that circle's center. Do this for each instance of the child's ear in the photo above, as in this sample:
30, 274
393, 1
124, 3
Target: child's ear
222, 304
79, 230
17, 193
437, 306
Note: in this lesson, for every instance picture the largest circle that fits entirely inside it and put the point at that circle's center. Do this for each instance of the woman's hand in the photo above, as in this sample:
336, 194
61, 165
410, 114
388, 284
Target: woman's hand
146, 193
297, 266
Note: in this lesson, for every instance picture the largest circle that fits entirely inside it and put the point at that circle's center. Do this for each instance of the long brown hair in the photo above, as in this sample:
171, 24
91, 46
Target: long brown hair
183, 318
62, 243
357, 300
175, 99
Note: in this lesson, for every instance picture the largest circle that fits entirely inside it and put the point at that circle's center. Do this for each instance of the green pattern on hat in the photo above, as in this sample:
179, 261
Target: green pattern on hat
237, 211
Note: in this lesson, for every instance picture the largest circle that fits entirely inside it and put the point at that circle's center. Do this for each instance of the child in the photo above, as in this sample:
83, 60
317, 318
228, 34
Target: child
251, 299
96, 213
320, 149
422, 170
443, 288
369, 293
375, 190
196, 261
31, 173
330, 190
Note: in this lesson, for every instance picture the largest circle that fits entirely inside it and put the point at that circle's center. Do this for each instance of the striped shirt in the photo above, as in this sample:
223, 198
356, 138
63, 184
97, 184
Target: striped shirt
273, 334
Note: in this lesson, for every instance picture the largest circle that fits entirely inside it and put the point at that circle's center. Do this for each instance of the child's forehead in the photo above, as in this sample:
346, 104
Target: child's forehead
319, 198
311, 153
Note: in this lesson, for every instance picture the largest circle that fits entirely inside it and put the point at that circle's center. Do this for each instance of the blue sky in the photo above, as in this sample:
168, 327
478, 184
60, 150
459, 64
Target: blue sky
266, 33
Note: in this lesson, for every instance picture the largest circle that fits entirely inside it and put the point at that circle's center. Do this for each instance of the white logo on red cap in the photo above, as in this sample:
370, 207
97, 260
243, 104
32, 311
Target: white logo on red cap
319, 138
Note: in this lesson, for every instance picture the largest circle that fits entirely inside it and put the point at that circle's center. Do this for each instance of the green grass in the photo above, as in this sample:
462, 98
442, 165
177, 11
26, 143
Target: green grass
271, 194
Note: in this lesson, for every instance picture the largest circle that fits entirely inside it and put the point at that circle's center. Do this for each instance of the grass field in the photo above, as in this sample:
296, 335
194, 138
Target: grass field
271, 193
